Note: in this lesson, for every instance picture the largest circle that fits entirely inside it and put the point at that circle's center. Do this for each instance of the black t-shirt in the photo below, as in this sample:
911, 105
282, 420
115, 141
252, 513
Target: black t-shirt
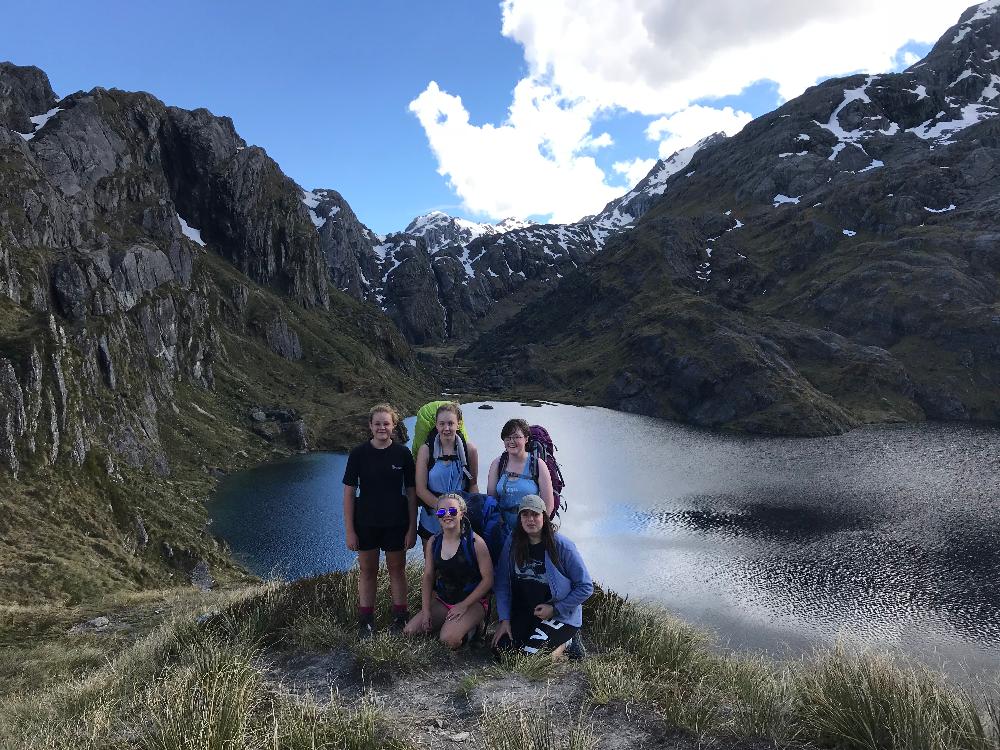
531, 586
382, 476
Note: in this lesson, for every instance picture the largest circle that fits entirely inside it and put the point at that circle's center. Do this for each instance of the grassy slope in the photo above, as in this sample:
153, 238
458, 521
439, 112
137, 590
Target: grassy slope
158, 679
70, 535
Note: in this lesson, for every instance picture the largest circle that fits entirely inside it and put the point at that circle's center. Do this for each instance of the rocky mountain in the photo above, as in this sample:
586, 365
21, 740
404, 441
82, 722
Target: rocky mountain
442, 277
835, 263
164, 305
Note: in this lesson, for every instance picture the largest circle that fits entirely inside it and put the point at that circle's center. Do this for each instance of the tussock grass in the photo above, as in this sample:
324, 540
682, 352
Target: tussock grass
663, 645
186, 685
510, 727
390, 653
871, 701
533, 667
616, 677
207, 704
201, 685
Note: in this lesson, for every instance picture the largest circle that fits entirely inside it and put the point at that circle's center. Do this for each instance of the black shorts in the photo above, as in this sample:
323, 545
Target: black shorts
385, 538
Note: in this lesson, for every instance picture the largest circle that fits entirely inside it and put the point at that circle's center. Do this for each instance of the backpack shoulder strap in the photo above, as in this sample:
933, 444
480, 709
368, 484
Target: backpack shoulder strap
469, 544
503, 463
462, 452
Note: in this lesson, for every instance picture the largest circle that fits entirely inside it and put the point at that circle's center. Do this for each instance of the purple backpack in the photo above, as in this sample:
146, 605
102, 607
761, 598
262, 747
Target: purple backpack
543, 449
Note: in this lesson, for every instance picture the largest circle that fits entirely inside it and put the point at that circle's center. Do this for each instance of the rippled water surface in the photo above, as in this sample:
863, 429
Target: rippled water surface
886, 536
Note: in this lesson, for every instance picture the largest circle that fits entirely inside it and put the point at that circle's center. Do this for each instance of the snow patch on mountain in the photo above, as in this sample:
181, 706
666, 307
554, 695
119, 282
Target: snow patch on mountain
190, 232
39, 122
942, 130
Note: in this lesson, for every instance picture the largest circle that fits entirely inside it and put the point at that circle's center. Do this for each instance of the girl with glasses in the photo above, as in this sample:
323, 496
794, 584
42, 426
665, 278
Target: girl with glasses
541, 585
446, 463
458, 576
516, 473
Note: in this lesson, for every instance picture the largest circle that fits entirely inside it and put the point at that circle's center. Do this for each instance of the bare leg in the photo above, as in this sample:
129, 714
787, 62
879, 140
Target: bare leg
396, 563
368, 577
453, 631
416, 625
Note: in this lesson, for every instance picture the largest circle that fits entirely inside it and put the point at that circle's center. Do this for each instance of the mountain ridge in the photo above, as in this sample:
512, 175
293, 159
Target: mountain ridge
834, 263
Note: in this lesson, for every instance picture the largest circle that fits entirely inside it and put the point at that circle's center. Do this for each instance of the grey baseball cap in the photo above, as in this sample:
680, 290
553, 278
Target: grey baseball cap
532, 502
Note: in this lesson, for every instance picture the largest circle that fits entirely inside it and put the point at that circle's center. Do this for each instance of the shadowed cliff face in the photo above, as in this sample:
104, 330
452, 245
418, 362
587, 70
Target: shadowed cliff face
836, 262
164, 307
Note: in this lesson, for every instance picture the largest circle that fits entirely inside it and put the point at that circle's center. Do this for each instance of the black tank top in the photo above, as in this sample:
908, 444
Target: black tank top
457, 575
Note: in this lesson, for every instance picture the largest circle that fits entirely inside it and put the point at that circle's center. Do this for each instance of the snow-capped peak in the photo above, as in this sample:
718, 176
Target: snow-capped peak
439, 229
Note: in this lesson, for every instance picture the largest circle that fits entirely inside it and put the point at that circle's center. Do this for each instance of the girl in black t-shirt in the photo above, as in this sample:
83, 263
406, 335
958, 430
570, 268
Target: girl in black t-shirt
380, 513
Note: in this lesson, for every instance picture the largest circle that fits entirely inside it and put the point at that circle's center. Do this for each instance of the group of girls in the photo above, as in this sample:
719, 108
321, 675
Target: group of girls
539, 579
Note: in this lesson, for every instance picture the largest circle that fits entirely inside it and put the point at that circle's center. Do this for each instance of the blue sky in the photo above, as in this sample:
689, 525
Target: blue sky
340, 93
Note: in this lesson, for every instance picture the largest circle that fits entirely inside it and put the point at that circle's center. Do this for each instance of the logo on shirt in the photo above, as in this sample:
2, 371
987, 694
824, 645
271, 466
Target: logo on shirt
397, 468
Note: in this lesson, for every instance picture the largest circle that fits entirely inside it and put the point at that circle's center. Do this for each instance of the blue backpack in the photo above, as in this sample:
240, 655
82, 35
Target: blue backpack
486, 519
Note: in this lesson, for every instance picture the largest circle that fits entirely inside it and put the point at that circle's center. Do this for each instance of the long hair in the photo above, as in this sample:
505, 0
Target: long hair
521, 541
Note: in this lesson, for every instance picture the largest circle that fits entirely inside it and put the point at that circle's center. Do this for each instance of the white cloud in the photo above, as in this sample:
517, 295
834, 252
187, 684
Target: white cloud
687, 126
532, 164
634, 170
657, 56
652, 57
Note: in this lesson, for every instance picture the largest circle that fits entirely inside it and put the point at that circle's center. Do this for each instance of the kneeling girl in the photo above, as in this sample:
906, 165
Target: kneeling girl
541, 584
458, 576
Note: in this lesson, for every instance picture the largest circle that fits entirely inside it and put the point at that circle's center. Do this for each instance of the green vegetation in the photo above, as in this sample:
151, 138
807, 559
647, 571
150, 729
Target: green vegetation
205, 670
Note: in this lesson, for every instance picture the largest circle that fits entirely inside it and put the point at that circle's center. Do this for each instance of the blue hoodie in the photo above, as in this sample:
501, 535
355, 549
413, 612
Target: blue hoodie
570, 583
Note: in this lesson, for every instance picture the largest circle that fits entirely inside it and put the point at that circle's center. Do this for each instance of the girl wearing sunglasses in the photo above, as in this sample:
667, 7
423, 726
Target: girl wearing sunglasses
458, 576
541, 585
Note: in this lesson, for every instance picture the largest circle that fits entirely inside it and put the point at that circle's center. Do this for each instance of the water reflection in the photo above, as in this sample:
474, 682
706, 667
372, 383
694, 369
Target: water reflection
885, 535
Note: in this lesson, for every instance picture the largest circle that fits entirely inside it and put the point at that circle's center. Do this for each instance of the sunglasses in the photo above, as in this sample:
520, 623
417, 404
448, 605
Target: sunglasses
442, 512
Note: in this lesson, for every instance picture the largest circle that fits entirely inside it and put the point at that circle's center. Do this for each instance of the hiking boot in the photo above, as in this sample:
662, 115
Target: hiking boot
366, 628
399, 622
575, 649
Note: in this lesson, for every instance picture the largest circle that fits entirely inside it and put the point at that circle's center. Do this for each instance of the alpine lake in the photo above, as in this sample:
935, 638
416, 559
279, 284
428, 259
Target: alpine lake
886, 537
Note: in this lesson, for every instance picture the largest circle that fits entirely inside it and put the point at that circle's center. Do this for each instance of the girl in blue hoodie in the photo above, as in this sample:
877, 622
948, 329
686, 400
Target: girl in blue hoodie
541, 583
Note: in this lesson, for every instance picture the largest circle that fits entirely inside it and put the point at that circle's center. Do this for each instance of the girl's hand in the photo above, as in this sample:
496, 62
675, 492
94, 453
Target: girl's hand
457, 612
502, 630
544, 611
411, 539
425, 623
352, 540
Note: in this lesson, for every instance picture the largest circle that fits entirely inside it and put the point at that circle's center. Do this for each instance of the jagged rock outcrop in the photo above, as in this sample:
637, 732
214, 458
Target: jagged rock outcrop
836, 262
107, 211
346, 243
24, 93
456, 270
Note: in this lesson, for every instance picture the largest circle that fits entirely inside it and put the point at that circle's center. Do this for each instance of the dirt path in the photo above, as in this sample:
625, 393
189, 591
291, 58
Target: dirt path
443, 706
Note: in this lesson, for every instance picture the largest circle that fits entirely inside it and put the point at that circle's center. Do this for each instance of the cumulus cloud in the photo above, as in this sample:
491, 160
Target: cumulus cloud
685, 127
634, 170
655, 58
535, 163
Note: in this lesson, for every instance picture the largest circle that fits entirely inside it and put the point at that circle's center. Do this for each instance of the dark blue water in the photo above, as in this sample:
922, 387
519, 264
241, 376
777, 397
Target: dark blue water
885, 536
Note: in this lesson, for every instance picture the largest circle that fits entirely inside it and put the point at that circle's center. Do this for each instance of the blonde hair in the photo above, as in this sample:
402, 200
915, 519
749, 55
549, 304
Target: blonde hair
457, 499
451, 406
387, 408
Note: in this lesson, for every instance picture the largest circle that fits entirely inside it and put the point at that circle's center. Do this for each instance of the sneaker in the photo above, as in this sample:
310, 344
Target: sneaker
366, 628
399, 622
575, 649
